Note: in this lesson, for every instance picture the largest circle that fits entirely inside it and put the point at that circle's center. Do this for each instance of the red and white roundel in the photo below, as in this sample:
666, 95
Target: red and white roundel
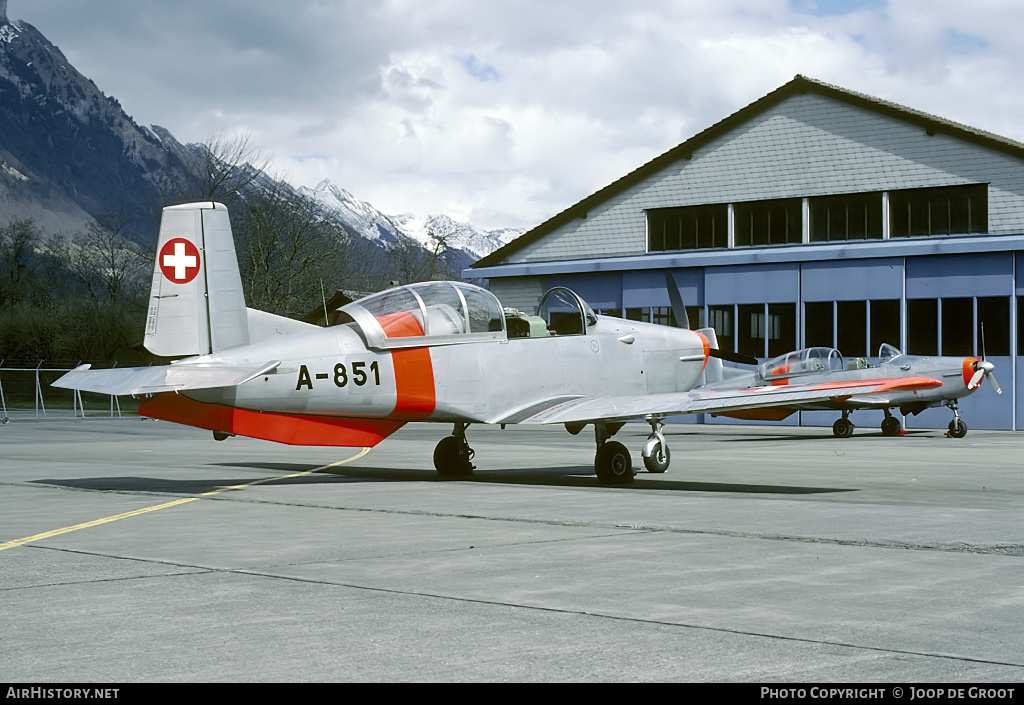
179, 260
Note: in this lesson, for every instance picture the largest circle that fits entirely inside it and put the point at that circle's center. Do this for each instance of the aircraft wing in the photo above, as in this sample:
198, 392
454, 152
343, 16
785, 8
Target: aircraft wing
164, 378
635, 407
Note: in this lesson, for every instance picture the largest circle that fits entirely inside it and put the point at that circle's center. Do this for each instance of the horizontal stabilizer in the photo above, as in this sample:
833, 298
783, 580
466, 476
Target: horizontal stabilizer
166, 378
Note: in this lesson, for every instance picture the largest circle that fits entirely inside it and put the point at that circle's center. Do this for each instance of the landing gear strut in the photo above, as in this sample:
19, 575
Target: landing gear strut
612, 462
957, 428
843, 428
656, 453
453, 456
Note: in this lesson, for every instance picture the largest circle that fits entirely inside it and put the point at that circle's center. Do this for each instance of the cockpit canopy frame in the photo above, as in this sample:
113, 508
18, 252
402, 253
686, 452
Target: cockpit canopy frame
427, 314
565, 312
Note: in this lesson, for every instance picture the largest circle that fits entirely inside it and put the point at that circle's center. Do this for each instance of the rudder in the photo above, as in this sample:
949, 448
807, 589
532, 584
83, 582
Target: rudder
196, 304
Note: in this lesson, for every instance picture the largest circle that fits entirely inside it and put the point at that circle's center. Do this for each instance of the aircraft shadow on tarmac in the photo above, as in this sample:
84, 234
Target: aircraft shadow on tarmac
548, 477
578, 477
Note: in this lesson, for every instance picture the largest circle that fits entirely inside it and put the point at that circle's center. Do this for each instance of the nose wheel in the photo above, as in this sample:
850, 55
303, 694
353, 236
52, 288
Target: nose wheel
656, 454
957, 427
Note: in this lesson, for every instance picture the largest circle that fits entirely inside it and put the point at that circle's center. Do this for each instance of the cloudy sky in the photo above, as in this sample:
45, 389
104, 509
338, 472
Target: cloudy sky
505, 112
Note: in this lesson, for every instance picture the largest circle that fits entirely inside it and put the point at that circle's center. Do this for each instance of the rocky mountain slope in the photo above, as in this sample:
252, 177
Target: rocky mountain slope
69, 153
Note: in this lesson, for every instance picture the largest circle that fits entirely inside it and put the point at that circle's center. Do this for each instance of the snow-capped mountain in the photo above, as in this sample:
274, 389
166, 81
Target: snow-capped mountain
374, 225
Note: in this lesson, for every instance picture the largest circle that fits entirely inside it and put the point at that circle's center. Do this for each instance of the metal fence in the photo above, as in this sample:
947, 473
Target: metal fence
26, 392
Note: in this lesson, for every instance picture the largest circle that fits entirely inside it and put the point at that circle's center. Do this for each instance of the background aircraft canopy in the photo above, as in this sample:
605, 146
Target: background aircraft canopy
801, 362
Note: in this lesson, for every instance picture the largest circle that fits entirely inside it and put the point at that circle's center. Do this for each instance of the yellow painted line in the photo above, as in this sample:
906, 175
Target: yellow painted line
175, 503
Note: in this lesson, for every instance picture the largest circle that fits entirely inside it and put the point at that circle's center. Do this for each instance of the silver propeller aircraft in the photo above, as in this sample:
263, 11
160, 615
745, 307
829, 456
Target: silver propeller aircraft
820, 379
443, 352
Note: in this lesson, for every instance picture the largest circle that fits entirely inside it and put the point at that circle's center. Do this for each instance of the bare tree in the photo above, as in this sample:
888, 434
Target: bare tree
409, 262
220, 169
289, 254
18, 261
112, 268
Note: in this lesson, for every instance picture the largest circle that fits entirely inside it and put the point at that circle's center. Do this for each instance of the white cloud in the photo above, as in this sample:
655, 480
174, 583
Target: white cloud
505, 113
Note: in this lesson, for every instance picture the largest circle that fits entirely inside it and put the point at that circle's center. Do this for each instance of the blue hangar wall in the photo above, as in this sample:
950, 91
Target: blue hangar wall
814, 216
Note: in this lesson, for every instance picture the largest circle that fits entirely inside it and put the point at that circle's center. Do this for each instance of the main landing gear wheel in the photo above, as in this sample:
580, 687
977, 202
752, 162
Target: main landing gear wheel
613, 464
891, 426
453, 456
843, 428
957, 428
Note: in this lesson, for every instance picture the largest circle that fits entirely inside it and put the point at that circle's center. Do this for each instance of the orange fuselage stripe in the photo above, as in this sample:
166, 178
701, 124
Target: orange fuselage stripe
414, 371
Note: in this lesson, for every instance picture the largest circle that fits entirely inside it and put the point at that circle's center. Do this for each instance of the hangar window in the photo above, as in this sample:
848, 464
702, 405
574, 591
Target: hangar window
818, 328
957, 331
751, 330
769, 222
956, 210
721, 320
855, 216
781, 328
885, 323
687, 228
766, 327
922, 327
1020, 326
851, 327
994, 319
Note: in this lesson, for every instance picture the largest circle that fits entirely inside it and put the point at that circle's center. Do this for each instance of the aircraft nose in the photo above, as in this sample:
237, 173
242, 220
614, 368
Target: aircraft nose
983, 368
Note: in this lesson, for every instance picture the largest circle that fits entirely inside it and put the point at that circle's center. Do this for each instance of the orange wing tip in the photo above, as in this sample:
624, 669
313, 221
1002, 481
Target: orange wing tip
292, 429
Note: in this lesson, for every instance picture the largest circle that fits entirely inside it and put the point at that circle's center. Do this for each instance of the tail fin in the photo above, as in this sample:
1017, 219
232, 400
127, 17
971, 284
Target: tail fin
196, 304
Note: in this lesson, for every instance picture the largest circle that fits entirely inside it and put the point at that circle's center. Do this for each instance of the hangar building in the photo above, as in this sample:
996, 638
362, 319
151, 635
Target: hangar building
814, 216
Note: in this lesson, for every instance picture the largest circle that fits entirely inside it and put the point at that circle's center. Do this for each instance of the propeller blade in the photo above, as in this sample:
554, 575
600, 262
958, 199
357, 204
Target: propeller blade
676, 299
995, 385
976, 379
733, 357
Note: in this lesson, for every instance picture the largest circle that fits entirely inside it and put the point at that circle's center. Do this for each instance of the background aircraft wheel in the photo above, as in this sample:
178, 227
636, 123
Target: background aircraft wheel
957, 428
891, 426
843, 428
613, 464
656, 456
451, 458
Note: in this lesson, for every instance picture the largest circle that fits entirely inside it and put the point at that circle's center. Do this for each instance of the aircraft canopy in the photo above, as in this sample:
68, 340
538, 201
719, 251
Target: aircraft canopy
428, 313
801, 362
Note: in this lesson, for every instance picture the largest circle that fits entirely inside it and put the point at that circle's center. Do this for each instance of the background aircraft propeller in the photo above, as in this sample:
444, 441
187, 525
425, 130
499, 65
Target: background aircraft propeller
984, 368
